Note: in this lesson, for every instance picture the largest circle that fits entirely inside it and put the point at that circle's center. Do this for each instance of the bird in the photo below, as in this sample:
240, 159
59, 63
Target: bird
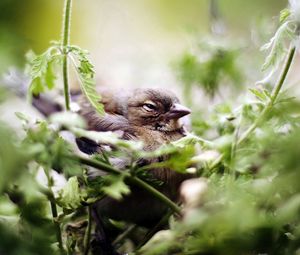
152, 116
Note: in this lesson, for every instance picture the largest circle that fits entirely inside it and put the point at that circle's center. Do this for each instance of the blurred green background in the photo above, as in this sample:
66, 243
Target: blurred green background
131, 42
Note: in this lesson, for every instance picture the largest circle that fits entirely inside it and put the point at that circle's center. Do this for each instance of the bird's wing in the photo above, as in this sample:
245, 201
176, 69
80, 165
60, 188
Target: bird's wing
113, 120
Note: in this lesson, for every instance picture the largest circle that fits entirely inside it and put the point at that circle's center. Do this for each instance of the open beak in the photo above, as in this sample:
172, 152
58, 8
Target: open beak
177, 111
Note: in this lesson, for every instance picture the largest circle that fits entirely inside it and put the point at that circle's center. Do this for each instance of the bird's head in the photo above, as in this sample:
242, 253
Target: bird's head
155, 109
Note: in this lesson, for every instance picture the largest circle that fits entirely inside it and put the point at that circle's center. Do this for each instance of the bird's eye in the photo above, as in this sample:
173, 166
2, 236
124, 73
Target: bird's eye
149, 107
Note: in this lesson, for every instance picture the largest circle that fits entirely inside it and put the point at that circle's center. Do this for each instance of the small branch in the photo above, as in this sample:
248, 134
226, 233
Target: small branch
98, 164
65, 41
51, 198
174, 207
154, 230
120, 239
56, 224
135, 180
87, 236
274, 96
268, 107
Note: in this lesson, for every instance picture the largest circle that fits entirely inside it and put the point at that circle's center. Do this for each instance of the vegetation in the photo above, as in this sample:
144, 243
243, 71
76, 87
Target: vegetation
246, 201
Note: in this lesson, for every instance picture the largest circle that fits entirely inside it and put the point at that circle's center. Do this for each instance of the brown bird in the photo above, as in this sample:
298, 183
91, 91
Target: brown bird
153, 117
148, 115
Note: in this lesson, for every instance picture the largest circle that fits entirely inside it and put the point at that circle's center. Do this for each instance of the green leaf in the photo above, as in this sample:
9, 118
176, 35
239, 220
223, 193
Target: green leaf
259, 94
116, 187
86, 73
88, 87
190, 139
22, 116
36, 86
71, 196
277, 45
267, 93
284, 15
50, 76
40, 69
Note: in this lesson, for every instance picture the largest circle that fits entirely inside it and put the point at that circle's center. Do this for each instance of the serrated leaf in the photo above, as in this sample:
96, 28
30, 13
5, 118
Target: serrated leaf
71, 195
285, 100
259, 94
267, 93
86, 73
276, 46
50, 76
88, 88
41, 70
190, 139
284, 14
116, 187
36, 86
22, 116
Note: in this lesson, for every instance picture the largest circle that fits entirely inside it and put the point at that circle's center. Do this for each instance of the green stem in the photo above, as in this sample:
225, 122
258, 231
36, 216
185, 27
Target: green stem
56, 224
87, 236
65, 40
135, 180
121, 238
174, 207
51, 199
98, 164
268, 106
274, 96
163, 221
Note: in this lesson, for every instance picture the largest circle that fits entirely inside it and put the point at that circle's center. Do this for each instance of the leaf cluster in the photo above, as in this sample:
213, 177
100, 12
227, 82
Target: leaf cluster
208, 68
42, 70
252, 201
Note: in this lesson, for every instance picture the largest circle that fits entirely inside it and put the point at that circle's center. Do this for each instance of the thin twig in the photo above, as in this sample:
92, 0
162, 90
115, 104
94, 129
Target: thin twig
121, 238
152, 231
87, 236
274, 96
65, 40
52, 201
268, 106
135, 180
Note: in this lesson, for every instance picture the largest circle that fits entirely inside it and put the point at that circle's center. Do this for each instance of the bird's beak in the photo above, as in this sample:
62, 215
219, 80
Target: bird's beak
177, 111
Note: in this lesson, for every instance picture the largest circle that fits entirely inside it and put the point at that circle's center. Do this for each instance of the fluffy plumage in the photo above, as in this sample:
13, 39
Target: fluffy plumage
148, 115
153, 117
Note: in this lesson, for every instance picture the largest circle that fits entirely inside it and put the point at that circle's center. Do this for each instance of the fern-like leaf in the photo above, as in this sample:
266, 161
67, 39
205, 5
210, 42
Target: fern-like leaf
40, 69
86, 73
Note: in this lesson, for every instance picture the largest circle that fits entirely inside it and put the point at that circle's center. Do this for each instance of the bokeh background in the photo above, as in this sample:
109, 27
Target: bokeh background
151, 43
132, 42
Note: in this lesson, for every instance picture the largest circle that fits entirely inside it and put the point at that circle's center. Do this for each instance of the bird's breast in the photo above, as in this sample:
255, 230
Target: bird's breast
153, 139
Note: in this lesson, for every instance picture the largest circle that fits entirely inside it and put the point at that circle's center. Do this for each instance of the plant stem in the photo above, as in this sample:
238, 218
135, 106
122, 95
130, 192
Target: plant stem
274, 96
98, 164
56, 224
87, 236
154, 230
135, 180
174, 207
51, 199
65, 40
268, 106
121, 238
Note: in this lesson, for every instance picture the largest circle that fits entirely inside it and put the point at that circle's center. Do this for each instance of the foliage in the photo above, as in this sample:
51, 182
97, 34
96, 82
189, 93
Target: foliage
287, 31
208, 67
249, 159
41, 70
